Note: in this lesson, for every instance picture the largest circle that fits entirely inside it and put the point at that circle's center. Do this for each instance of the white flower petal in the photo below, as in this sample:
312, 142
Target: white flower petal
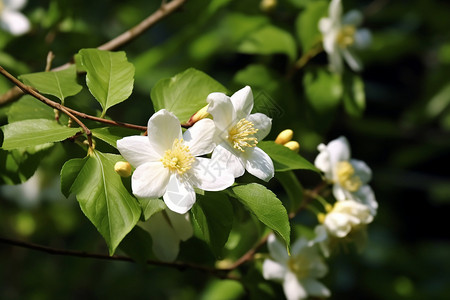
340, 193
325, 25
363, 38
210, 175
339, 150
335, 61
366, 196
242, 102
293, 290
273, 270
150, 180
353, 17
165, 241
137, 150
299, 245
163, 128
14, 4
14, 22
261, 122
335, 10
258, 163
222, 110
179, 196
352, 60
228, 160
277, 249
200, 137
315, 288
322, 162
181, 224
339, 224
362, 170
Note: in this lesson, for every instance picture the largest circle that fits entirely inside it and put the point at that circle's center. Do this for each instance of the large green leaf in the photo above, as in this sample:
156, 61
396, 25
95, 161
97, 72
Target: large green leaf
269, 40
60, 84
213, 214
285, 159
111, 135
185, 93
29, 108
266, 207
101, 195
110, 77
323, 90
307, 24
29, 133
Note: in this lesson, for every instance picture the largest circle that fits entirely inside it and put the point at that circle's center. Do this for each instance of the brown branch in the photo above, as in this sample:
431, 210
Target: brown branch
68, 111
165, 9
304, 59
223, 274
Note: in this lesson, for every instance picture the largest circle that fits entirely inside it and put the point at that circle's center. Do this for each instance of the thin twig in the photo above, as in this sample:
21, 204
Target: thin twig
304, 59
166, 9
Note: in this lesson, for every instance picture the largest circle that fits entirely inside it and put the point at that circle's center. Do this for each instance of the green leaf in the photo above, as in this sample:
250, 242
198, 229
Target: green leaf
269, 40
110, 77
213, 214
17, 166
323, 90
111, 135
101, 195
285, 159
151, 206
138, 245
293, 188
29, 108
354, 95
222, 290
29, 133
307, 24
185, 93
265, 206
60, 84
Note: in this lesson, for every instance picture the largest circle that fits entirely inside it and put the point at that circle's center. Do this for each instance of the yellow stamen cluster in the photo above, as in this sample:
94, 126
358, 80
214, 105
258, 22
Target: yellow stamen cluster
346, 36
299, 265
347, 178
178, 159
240, 135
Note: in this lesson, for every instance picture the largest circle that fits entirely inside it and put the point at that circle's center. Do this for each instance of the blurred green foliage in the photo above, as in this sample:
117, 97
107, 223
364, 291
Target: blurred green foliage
401, 128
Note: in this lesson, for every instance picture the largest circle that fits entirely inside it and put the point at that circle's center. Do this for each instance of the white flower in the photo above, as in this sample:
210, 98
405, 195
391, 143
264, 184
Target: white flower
167, 229
299, 271
344, 223
167, 162
349, 176
11, 20
340, 37
239, 133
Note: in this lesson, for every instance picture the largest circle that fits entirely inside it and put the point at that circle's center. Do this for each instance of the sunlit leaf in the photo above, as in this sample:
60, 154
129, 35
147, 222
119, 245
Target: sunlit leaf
307, 24
354, 95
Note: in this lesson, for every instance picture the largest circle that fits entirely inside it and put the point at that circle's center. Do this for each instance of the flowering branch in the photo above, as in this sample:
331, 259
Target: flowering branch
164, 10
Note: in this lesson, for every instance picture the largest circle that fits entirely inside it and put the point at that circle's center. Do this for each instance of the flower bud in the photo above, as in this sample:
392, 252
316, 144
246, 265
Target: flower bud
201, 114
293, 145
123, 168
268, 5
284, 136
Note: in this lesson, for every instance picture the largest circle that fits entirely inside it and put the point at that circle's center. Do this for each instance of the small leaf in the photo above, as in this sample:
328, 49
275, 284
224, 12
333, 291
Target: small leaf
60, 84
266, 207
307, 24
185, 93
101, 195
111, 135
29, 133
151, 206
213, 214
354, 96
285, 159
110, 77
269, 40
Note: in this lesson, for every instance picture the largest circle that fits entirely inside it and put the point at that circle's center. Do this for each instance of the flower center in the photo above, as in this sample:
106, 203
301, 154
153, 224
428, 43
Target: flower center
299, 265
240, 135
346, 36
178, 159
346, 176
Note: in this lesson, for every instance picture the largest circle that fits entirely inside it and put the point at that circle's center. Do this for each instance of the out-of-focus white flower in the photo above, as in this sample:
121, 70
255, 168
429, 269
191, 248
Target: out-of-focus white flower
167, 162
299, 271
340, 37
11, 20
346, 220
239, 133
349, 176
167, 229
